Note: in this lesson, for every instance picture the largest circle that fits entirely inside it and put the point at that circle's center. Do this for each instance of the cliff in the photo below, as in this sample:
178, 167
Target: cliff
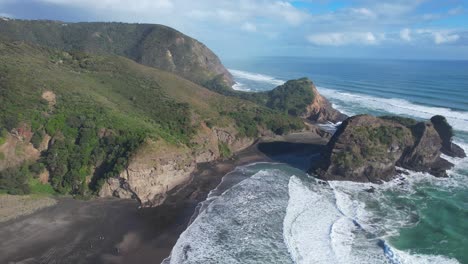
368, 149
157, 169
152, 45
321, 110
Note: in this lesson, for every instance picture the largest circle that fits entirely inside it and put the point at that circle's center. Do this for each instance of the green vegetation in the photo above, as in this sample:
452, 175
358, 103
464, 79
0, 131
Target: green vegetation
153, 45
291, 98
36, 187
405, 121
3, 135
15, 180
249, 122
224, 150
372, 145
380, 135
105, 108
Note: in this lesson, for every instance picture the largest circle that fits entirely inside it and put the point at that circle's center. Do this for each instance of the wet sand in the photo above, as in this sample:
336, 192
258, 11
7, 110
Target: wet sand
115, 231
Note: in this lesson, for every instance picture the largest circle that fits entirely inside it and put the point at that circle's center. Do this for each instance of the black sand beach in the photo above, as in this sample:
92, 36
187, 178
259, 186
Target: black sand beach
116, 231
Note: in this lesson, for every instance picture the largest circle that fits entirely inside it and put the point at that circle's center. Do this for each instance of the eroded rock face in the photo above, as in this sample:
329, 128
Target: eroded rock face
368, 149
156, 169
445, 132
17, 149
321, 110
159, 168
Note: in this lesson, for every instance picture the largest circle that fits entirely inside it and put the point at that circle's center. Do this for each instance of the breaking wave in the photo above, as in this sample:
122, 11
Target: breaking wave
248, 81
353, 103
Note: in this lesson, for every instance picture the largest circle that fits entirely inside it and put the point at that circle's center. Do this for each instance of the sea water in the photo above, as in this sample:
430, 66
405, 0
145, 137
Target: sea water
278, 214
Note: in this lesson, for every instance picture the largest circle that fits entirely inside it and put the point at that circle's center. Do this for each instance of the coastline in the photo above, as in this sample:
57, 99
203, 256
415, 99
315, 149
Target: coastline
115, 230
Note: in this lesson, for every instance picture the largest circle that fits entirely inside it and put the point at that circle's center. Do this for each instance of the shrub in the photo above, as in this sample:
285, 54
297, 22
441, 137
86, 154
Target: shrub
224, 150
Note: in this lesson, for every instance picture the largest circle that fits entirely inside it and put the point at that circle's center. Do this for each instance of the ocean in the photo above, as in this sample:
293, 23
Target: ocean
279, 214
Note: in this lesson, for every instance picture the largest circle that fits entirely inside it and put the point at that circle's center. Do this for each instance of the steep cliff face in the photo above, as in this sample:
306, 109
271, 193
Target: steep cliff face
446, 133
368, 149
157, 168
154, 170
152, 45
321, 110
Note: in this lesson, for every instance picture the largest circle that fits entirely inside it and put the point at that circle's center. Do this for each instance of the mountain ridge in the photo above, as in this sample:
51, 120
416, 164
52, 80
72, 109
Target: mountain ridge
153, 45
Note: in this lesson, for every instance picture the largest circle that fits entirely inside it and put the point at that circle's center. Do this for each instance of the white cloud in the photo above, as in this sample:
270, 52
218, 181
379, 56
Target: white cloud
442, 37
405, 34
439, 36
343, 38
289, 13
364, 12
249, 27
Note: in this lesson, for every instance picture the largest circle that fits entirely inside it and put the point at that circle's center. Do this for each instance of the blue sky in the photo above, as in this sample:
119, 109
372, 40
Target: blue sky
418, 29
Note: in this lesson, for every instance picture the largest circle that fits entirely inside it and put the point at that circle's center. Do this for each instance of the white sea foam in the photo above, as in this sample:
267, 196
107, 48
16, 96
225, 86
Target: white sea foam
349, 102
254, 77
349, 194
317, 230
243, 225
241, 87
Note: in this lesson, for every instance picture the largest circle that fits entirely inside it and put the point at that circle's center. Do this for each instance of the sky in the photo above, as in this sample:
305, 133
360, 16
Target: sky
398, 29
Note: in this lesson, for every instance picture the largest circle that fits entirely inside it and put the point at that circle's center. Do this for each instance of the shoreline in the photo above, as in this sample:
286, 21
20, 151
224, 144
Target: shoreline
116, 231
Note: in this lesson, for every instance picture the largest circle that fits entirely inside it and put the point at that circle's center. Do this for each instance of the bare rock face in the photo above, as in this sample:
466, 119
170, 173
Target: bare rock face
156, 169
17, 149
368, 149
230, 138
321, 110
446, 133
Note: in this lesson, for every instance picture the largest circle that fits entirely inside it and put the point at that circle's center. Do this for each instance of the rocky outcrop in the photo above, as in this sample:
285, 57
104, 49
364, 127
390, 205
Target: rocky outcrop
152, 45
321, 110
158, 168
16, 148
446, 133
368, 149
301, 98
152, 172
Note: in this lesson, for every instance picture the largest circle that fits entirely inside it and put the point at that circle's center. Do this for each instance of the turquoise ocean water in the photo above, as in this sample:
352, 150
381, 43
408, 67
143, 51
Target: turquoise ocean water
278, 214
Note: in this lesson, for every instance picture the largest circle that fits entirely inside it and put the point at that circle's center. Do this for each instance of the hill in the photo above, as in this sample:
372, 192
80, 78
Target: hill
152, 45
79, 121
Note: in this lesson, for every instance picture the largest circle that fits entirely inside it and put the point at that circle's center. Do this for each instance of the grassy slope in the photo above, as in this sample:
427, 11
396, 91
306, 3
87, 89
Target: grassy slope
108, 92
147, 44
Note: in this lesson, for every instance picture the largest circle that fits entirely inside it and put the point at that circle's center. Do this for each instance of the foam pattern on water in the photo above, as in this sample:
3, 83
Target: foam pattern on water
243, 225
353, 103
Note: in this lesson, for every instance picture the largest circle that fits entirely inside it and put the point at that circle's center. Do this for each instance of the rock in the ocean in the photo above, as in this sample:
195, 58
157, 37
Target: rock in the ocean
446, 133
368, 149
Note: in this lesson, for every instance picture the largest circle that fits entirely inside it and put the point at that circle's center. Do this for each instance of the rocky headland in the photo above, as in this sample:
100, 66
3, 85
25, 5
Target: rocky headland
370, 149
